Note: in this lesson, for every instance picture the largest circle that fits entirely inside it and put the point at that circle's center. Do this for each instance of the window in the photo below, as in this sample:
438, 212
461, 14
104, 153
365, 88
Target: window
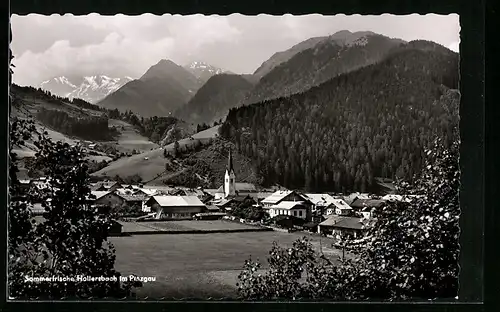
295, 213
300, 213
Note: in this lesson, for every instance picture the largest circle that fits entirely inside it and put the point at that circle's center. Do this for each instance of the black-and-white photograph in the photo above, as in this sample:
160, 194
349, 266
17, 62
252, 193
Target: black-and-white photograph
201, 157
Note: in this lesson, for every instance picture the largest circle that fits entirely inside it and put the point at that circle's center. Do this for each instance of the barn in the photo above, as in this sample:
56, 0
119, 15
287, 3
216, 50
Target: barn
175, 207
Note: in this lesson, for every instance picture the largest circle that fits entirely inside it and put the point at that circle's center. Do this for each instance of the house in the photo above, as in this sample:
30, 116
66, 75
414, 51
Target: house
289, 208
108, 186
106, 198
353, 196
288, 196
320, 202
341, 226
134, 201
339, 207
25, 184
175, 207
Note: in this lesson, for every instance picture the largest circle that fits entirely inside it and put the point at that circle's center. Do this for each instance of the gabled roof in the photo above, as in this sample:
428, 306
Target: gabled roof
339, 203
344, 222
277, 196
280, 195
361, 203
288, 205
321, 199
177, 201
99, 194
132, 198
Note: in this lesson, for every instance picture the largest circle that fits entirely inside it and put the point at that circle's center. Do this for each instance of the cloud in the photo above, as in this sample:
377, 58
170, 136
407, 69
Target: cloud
116, 53
49, 46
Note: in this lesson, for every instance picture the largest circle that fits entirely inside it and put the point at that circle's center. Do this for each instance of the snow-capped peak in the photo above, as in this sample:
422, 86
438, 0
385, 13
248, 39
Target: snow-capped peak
89, 88
203, 70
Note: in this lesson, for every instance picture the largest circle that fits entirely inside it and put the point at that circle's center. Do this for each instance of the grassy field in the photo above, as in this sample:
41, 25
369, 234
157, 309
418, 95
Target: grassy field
150, 163
197, 265
184, 225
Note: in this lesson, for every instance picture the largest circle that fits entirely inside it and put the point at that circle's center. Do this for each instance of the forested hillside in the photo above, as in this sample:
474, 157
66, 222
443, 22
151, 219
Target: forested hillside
214, 99
330, 57
89, 128
373, 122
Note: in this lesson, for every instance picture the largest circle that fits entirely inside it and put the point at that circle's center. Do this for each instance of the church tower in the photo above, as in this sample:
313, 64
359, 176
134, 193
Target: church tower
229, 178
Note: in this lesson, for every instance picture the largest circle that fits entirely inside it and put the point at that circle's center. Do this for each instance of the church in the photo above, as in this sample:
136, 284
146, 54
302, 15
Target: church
230, 188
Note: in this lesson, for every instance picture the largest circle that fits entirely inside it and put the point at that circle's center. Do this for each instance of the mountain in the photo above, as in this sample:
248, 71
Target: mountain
283, 56
89, 88
203, 71
320, 59
372, 122
215, 98
162, 89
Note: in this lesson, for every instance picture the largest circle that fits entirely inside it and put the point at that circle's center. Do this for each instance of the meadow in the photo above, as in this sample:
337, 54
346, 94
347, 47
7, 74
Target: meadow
199, 266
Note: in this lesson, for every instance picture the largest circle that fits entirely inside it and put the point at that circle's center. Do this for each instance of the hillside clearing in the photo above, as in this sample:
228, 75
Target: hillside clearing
148, 165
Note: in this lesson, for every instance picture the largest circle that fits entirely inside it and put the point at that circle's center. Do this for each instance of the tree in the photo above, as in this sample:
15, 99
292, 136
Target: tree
411, 250
72, 238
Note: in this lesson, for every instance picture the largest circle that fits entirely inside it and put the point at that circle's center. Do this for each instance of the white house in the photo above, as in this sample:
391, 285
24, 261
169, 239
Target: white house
339, 207
320, 201
289, 208
273, 202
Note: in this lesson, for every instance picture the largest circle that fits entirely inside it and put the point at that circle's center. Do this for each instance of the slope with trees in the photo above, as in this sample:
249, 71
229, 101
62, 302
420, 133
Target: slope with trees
340, 53
374, 122
411, 251
213, 100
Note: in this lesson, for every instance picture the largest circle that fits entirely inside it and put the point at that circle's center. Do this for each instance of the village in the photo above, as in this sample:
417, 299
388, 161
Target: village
335, 216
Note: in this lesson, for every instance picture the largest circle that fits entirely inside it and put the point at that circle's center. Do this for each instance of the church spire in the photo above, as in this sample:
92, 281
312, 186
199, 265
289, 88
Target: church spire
230, 162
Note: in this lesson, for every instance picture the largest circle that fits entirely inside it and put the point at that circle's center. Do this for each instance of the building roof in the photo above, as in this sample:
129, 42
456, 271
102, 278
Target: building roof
288, 205
132, 198
211, 191
344, 222
277, 196
340, 203
361, 203
177, 201
353, 196
321, 199
99, 194
223, 202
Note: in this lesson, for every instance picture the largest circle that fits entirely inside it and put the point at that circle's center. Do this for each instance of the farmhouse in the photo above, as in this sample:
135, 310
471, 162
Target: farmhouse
107, 198
339, 207
289, 208
175, 207
108, 186
320, 202
360, 203
134, 201
274, 200
342, 226
352, 197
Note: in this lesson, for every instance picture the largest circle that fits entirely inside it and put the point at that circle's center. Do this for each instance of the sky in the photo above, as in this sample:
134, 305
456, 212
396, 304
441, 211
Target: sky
49, 46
